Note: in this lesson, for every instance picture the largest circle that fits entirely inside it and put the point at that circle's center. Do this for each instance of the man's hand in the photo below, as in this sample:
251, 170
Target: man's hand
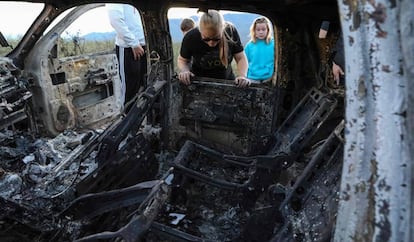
138, 52
242, 81
337, 72
185, 77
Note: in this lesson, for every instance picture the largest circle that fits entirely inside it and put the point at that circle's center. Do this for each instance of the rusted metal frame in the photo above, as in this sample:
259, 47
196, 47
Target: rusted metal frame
199, 123
199, 112
237, 115
143, 217
98, 77
333, 143
324, 107
312, 126
102, 179
12, 118
20, 52
190, 147
175, 233
325, 160
13, 96
199, 80
74, 154
219, 155
377, 177
77, 155
327, 192
11, 90
130, 123
91, 205
272, 162
3, 41
212, 181
26, 216
280, 157
136, 157
305, 121
158, 114
282, 234
129, 233
151, 79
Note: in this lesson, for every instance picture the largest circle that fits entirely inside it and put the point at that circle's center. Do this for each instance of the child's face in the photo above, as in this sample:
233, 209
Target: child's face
260, 31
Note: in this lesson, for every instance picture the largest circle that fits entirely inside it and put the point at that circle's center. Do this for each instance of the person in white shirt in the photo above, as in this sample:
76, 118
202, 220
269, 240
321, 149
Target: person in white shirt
130, 47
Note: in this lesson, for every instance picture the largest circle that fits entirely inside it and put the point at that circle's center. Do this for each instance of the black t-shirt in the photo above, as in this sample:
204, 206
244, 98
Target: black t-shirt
205, 59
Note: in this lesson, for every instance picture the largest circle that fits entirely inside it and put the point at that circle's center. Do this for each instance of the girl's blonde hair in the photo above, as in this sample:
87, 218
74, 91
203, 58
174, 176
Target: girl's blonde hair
213, 21
261, 20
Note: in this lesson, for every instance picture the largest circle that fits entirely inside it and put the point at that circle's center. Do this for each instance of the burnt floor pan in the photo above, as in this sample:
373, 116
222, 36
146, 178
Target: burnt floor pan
208, 195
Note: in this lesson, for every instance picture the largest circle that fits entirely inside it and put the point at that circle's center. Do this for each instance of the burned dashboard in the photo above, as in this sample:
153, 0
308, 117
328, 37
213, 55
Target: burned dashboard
13, 94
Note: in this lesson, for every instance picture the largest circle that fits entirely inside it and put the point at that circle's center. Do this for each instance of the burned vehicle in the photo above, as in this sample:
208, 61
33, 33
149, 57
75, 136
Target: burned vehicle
294, 159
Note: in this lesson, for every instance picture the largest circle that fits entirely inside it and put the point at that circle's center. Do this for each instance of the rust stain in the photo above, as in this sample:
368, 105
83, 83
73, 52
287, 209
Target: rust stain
386, 68
351, 40
373, 168
350, 168
381, 34
362, 90
384, 225
383, 186
379, 16
370, 210
353, 11
361, 187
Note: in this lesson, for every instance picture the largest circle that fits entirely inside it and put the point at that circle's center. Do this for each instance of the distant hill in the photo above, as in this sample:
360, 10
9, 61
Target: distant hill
241, 21
94, 36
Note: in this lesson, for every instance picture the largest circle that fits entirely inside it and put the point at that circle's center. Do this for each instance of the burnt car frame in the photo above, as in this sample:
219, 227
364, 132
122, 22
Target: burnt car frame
310, 161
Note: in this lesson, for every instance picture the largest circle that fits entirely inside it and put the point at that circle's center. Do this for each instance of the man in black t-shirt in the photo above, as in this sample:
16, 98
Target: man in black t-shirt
209, 50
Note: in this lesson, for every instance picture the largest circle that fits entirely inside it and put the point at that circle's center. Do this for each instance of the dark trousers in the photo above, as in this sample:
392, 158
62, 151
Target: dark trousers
132, 71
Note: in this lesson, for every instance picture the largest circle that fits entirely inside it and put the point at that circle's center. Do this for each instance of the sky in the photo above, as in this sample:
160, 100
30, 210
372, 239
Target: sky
23, 15
16, 18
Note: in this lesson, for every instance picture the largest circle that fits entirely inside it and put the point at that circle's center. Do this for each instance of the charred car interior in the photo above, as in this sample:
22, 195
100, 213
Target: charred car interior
203, 162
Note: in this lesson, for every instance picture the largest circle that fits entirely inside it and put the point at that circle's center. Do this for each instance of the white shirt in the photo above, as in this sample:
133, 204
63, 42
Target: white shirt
126, 21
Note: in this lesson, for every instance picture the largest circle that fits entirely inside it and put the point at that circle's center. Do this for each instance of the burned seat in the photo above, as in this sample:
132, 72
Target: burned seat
216, 112
294, 135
